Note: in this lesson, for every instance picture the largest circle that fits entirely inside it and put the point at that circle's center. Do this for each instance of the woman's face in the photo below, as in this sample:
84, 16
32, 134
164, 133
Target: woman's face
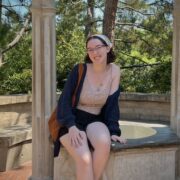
97, 51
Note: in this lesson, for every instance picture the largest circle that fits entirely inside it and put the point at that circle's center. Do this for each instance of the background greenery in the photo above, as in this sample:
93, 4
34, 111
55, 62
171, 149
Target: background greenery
143, 43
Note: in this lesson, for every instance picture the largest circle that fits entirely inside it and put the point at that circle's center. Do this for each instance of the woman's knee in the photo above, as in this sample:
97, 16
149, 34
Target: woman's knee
103, 144
84, 158
80, 154
83, 155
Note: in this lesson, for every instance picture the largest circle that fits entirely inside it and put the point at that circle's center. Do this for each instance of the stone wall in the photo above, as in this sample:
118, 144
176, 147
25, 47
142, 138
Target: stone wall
16, 119
16, 109
145, 107
15, 131
129, 164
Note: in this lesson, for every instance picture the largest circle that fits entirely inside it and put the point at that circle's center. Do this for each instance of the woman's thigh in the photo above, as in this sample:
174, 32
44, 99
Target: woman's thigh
98, 134
76, 152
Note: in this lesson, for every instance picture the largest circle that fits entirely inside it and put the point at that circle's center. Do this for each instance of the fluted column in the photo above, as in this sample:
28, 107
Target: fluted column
175, 82
43, 86
175, 87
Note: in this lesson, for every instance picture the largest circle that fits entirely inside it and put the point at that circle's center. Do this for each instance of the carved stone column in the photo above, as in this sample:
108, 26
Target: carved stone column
175, 82
175, 90
44, 86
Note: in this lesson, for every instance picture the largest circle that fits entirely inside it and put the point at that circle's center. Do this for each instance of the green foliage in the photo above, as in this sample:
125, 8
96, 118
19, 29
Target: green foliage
161, 78
69, 51
17, 68
70, 13
17, 83
144, 41
155, 79
12, 19
143, 45
70, 37
15, 73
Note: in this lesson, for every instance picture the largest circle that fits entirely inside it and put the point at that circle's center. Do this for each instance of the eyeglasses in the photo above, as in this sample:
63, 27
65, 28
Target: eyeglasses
97, 48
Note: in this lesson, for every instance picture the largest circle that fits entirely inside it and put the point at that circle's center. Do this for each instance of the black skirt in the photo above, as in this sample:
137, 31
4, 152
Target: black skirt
83, 119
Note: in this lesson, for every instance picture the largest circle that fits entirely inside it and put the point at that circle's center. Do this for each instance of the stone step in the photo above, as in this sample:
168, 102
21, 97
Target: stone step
15, 146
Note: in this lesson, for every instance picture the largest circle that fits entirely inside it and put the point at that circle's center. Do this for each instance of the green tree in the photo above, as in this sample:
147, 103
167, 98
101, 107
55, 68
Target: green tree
144, 37
16, 73
15, 47
143, 42
70, 37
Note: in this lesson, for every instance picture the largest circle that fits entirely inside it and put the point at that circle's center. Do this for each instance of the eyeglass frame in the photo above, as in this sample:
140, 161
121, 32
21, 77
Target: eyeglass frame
97, 48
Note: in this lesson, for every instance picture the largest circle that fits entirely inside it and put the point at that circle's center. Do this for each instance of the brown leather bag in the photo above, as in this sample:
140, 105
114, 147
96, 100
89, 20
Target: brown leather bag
54, 125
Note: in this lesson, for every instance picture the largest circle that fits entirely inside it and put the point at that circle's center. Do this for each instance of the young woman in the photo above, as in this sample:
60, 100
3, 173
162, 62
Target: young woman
90, 126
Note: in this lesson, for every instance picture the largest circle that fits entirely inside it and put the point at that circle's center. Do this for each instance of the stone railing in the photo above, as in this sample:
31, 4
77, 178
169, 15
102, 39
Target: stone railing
16, 109
145, 107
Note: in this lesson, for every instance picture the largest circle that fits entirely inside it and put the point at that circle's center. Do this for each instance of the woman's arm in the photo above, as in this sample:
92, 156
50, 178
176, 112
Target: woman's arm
110, 110
115, 78
65, 110
116, 74
112, 114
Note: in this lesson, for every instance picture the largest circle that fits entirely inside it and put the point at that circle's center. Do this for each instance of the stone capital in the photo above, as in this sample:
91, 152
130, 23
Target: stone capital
40, 178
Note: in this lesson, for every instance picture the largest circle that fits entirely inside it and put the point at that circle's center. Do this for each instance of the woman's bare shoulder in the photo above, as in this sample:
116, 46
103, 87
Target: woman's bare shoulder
115, 70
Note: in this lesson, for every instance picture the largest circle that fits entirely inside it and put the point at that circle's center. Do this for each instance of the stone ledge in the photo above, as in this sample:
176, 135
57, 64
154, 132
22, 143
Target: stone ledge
15, 146
145, 97
22, 98
163, 136
12, 135
14, 99
142, 158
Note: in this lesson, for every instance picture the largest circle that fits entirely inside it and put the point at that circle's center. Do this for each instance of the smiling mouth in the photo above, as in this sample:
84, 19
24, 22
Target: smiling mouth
97, 57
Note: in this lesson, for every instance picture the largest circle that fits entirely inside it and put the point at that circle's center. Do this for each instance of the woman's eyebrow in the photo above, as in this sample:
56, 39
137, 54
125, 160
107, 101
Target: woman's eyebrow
95, 46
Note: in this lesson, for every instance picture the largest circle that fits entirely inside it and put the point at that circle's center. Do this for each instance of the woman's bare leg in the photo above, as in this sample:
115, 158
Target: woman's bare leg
99, 136
82, 157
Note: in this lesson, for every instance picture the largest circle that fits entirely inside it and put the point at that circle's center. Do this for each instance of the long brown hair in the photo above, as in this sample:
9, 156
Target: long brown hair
110, 55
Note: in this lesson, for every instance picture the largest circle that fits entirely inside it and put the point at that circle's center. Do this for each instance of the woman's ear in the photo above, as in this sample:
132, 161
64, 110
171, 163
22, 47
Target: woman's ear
108, 49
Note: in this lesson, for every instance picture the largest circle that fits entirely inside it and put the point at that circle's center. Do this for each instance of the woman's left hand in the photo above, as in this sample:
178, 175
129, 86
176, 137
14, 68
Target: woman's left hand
119, 138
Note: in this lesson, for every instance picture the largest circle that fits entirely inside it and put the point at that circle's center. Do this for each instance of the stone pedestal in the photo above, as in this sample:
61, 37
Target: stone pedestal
44, 87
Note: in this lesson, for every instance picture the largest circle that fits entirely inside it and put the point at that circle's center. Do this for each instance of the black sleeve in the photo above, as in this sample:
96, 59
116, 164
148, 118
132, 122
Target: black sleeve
112, 114
64, 109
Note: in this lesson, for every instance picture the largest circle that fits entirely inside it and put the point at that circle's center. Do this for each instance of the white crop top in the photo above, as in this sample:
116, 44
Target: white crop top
92, 98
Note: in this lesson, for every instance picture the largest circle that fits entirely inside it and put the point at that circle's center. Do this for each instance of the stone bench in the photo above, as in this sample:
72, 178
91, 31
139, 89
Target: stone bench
148, 158
15, 146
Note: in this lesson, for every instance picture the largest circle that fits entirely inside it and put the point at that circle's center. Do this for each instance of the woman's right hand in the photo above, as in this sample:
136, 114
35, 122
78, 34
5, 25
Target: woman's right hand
75, 136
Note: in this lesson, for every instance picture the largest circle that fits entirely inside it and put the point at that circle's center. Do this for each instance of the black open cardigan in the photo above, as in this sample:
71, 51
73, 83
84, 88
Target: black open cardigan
65, 111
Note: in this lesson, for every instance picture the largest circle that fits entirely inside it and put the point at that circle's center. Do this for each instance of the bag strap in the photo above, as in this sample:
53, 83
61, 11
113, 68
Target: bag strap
80, 73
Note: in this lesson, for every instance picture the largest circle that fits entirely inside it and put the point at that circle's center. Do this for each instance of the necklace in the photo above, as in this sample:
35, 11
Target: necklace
99, 87
100, 83
95, 88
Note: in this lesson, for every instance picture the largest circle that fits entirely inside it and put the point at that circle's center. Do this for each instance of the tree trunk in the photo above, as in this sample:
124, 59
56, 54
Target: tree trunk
109, 18
90, 17
18, 36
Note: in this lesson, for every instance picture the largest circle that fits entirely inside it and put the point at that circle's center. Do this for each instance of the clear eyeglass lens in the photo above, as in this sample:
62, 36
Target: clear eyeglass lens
95, 49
